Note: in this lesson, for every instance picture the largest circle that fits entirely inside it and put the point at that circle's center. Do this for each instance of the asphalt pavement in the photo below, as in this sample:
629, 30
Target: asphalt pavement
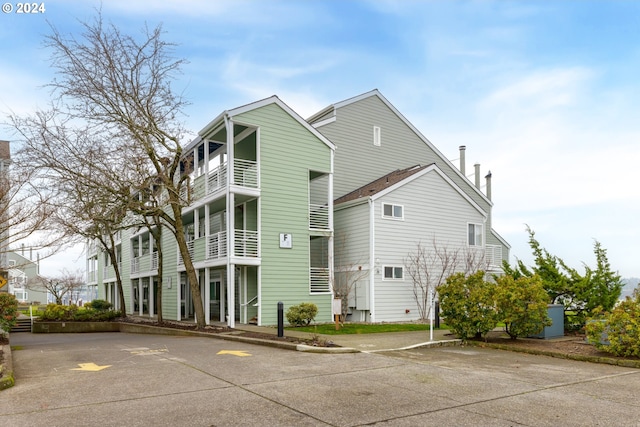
118, 379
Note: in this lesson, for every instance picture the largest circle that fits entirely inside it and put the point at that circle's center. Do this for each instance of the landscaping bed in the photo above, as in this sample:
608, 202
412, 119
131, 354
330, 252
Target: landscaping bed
573, 347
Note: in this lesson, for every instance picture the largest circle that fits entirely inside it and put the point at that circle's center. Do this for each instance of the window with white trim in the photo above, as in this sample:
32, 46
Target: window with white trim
392, 272
475, 233
392, 211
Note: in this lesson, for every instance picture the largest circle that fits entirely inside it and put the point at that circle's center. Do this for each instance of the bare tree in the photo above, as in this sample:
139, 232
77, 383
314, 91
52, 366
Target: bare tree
430, 266
115, 90
24, 210
347, 274
60, 286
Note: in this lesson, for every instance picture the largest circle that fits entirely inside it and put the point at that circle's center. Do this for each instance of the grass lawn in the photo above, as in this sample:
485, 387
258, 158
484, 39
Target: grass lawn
364, 328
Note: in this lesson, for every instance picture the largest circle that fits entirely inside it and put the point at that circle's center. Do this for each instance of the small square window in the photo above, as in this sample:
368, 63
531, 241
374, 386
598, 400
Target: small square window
392, 211
392, 273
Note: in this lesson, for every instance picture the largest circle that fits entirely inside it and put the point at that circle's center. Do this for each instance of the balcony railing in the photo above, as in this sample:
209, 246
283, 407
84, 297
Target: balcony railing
190, 249
319, 280
135, 265
494, 255
246, 243
154, 261
217, 178
318, 217
245, 173
217, 245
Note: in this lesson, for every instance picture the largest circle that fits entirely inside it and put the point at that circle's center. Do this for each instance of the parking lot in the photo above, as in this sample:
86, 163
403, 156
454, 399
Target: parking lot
114, 379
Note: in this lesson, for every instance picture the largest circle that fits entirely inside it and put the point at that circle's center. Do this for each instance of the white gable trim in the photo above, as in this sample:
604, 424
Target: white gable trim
436, 169
377, 93
259, 104
499, 237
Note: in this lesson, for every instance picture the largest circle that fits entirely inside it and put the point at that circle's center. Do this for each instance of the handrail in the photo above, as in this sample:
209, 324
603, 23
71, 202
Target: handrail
249, 302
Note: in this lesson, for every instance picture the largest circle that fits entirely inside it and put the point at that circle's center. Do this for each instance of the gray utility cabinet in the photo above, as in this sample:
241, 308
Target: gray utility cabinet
556, 313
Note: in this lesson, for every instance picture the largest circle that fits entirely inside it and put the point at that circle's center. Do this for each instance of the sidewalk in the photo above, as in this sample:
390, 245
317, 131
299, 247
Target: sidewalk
384, 341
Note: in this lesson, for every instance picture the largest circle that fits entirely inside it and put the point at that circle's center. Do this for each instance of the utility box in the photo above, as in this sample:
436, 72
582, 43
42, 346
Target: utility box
556, 330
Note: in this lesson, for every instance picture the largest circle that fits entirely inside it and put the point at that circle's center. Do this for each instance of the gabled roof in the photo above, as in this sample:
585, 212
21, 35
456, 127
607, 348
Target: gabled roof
396, 179
229, 114
328, 115
380, 184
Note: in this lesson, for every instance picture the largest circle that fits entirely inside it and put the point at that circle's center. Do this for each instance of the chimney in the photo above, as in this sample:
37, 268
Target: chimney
477, 166
488, 178
462, 159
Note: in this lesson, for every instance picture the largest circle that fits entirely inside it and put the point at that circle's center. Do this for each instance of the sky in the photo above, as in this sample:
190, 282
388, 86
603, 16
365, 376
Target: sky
544, 94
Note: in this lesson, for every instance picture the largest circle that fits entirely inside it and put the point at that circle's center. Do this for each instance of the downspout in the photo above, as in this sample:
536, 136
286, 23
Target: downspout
372, 263
228, 123
331, 230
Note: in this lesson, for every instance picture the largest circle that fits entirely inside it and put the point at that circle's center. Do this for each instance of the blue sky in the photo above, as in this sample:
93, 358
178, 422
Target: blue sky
544, 94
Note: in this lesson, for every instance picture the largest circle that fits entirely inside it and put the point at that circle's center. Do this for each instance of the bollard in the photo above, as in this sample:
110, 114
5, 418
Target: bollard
280, 319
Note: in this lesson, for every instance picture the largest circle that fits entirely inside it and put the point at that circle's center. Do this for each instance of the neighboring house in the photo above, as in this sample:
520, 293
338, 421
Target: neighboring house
260, 224
435, 203
387, 218
22, 272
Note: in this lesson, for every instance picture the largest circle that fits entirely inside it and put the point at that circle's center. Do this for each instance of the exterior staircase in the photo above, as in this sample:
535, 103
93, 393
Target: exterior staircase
23, 324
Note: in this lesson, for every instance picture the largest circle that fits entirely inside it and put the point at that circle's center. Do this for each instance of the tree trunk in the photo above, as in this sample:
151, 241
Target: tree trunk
190, 270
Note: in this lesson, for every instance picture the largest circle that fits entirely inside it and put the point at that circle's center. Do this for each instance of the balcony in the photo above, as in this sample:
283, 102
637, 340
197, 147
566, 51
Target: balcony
217, 178
246, 243
245, 173
493, 255
319, 280
318, 217
217, 245
190, 246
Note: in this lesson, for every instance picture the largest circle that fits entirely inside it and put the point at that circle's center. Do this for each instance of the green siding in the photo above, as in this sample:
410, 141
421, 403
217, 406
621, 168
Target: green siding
287, 152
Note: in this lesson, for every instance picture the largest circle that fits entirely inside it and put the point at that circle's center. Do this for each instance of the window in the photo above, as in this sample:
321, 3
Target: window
377, 138
475, 235
392, 211
392, 273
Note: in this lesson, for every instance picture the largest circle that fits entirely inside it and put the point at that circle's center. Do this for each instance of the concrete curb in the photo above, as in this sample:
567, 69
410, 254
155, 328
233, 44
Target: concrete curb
7, 379
334, 350
443, 343
627, 363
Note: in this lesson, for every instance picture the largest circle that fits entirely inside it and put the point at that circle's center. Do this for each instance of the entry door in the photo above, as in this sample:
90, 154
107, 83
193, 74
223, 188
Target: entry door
215, 285
186, 304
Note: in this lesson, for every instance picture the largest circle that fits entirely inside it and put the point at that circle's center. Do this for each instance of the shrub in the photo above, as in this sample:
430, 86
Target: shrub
522, 305
61, 313
8, 311
621, 328
99, 304
467, 305
302, 314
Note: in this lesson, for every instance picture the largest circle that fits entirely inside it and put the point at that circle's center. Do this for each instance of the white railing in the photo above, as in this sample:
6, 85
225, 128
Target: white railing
190, 249
135, 265
245, 173
154, 261
319, 280
246, 243
318, 217
217, 245
494, 255
92, 276
217, 178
